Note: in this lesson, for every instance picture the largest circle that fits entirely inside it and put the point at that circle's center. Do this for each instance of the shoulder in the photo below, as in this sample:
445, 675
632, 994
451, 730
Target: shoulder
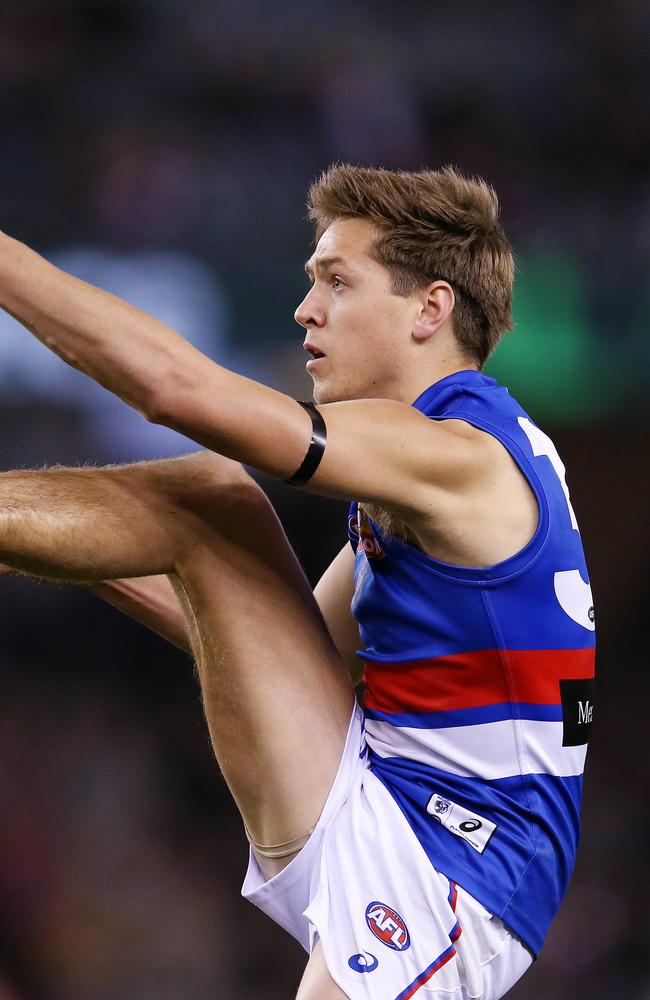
467, 453
387, 452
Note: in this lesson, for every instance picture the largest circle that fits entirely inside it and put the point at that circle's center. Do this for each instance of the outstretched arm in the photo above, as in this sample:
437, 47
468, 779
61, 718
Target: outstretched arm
145, 362
377, 450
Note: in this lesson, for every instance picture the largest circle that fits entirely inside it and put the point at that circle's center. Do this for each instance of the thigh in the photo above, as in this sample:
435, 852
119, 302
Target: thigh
316, 983
277, 696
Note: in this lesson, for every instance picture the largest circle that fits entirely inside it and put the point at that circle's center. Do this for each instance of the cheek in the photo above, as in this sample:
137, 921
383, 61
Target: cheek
367, 329
350, 313
365, 318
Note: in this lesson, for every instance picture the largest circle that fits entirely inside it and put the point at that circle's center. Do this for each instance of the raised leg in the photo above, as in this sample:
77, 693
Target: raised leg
277, 697
316, 983
87, 524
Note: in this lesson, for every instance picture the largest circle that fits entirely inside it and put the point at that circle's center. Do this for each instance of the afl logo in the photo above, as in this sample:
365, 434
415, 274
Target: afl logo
387, 925
368, 541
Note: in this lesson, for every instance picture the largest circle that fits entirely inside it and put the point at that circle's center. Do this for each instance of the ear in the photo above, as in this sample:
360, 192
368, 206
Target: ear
436, 305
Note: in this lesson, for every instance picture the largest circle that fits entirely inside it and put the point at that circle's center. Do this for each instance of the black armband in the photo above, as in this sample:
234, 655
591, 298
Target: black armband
311, 461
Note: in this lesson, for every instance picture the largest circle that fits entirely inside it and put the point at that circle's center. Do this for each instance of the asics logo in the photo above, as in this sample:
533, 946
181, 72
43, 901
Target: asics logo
470, 825
363, 962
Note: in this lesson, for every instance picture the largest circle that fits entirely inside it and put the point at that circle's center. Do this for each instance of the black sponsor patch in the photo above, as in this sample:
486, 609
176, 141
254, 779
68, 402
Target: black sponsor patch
577, 711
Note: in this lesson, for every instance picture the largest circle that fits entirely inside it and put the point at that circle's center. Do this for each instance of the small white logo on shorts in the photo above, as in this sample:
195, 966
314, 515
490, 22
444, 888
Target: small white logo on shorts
474, 829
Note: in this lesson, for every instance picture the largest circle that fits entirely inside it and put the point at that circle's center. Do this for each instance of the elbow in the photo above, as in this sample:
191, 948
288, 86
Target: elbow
155, 403
151, 409
170, 402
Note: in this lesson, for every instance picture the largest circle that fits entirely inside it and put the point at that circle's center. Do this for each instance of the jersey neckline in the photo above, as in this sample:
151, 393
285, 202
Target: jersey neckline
464, 377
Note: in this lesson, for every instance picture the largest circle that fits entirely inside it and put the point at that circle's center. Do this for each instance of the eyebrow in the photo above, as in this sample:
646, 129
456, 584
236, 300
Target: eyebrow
322, 264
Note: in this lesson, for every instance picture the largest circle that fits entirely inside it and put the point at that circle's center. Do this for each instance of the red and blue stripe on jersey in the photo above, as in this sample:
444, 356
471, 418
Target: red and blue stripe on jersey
471, 675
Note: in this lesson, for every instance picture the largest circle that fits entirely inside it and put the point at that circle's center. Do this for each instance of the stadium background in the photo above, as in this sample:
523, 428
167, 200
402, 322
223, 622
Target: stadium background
162, 149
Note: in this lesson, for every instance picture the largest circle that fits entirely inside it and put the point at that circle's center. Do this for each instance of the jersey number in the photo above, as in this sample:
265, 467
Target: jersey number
542, 445
572, 593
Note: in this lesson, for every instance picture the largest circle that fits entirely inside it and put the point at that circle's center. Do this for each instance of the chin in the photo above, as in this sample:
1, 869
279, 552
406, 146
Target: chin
322, 396
329, 392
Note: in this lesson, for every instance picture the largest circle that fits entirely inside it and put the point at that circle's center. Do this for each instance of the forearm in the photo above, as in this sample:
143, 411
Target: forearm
124, 349
380, 450
149, 366
151, 601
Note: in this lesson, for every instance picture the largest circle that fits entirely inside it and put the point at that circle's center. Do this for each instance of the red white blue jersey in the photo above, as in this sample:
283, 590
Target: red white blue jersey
479, 682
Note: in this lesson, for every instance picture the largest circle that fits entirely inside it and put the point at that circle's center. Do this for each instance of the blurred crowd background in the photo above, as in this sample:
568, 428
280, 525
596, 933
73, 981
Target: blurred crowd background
162, 149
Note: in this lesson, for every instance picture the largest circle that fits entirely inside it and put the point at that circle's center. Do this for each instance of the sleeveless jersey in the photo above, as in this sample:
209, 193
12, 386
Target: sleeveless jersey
479, 682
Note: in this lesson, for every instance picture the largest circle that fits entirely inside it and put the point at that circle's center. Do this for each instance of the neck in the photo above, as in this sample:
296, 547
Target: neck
428, 376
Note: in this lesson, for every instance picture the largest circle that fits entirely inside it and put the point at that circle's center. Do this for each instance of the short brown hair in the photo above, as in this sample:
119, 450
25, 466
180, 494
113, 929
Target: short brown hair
430, 224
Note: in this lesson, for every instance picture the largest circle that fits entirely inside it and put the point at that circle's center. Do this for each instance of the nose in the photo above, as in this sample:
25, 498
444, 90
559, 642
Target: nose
310, 312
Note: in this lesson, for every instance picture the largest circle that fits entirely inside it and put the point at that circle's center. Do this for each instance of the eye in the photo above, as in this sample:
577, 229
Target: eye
336, 282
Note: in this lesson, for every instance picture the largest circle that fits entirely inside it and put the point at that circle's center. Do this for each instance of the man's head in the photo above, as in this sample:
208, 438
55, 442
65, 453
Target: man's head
428, 256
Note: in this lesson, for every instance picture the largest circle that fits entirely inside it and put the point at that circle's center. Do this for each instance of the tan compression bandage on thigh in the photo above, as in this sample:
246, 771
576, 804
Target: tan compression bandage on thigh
278, 851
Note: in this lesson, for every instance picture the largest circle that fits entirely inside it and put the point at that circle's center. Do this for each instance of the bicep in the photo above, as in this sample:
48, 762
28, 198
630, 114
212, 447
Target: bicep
377, 450
333, 593
386, 452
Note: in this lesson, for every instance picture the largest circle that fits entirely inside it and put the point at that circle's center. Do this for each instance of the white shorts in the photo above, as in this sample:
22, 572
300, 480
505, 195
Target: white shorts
389, 923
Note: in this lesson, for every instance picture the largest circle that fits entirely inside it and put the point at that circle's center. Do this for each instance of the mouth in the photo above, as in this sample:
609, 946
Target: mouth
317, 356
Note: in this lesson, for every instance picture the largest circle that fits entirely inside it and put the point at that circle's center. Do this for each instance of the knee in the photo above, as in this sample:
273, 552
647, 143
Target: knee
210, 491
202, 475
209, 483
